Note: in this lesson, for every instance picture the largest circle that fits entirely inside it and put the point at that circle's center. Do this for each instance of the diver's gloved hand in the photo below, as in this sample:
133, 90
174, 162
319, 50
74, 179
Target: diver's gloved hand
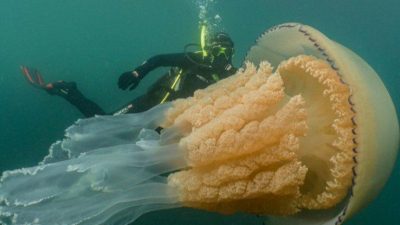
129, 80
61, 88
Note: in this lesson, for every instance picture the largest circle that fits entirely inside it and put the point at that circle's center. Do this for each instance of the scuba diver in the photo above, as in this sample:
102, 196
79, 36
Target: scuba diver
189, 71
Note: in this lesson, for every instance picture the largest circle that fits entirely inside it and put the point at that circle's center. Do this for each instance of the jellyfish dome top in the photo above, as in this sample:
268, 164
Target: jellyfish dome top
305, 132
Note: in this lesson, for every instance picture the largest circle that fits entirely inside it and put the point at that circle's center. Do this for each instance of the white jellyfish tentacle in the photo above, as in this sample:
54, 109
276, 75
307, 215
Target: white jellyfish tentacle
105, 180
102, 131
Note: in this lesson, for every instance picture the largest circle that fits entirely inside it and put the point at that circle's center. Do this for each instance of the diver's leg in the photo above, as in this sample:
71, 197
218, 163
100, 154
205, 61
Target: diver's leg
66, 90
137, 105
70, 92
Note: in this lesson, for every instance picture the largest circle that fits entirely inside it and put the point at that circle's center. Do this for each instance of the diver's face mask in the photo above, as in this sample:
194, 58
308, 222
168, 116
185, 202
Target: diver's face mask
220, 50
220, 55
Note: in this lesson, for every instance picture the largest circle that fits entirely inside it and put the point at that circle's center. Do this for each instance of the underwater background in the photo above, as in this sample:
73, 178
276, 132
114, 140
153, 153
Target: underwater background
92, 42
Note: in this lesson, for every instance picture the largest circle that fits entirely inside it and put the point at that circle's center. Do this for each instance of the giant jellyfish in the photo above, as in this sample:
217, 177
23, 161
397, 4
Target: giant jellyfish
305, 133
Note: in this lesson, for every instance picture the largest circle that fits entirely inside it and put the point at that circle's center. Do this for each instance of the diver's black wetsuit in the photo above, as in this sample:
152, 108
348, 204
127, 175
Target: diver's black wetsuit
189, 72
70, 92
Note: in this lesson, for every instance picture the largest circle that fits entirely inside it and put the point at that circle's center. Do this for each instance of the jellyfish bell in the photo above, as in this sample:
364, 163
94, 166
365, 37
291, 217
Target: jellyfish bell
376, 130
297, 136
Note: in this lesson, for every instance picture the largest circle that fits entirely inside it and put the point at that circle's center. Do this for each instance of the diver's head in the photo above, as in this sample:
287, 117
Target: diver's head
221, 39
220, 44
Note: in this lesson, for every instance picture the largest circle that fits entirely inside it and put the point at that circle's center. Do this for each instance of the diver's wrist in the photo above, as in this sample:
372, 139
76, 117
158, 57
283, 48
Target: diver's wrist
135, 74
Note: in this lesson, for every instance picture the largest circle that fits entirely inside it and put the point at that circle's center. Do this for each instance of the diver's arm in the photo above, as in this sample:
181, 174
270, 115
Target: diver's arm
131, 79
166, 60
